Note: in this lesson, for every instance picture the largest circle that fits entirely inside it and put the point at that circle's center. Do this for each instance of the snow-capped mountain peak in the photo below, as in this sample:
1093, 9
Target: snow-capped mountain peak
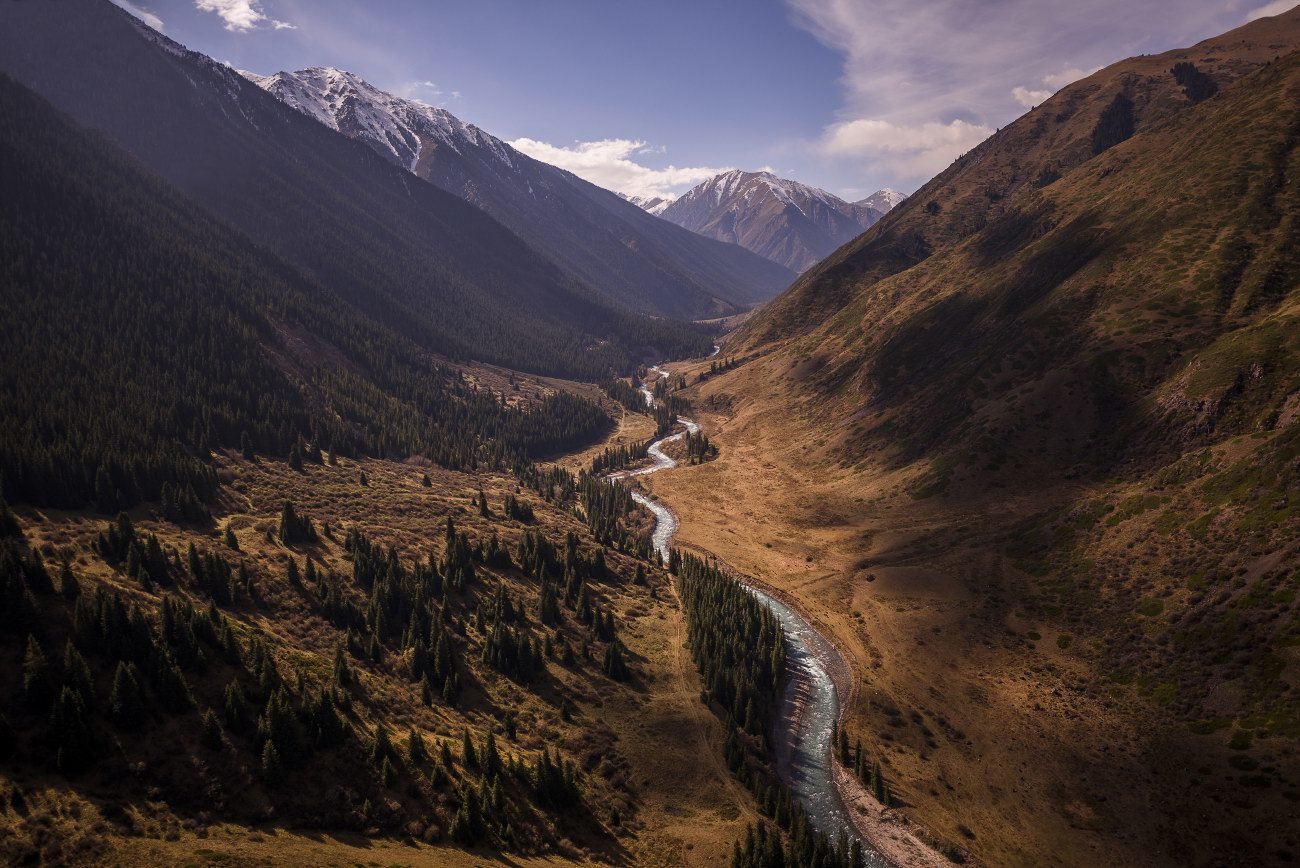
883, 201
395, 126
656, 205
788, 222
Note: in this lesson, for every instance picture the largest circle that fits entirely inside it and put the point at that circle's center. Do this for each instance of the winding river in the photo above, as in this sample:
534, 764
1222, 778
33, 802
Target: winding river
810, 706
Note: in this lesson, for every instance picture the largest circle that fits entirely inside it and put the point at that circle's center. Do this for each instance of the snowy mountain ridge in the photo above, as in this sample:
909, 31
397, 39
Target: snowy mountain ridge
786, 221
346, 102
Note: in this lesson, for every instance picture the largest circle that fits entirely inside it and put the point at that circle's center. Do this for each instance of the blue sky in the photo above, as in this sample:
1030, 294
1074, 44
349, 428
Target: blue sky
652, 97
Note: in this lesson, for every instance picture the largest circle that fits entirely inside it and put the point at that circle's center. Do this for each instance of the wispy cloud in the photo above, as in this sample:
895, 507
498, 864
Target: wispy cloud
427, 92
935, 75
907, 150
143, 14
1277, 7
612, 164
1029, 97
242, 16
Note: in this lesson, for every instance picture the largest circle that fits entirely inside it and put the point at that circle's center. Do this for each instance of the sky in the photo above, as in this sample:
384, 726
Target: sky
651, 98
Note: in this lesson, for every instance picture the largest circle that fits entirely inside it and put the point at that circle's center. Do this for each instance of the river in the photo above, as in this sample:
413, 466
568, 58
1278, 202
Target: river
810, 705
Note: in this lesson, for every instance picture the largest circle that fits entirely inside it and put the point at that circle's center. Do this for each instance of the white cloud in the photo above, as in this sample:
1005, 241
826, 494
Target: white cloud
1277, 7
1054, 81
916, 151
143, 14
242, 16
1030, 98
1070, 75
967, 67
610, 163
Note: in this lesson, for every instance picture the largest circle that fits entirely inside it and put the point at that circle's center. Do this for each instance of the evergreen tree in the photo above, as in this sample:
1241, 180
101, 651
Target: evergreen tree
76, 675
467, 755
1115, 125
212, 736
415, 752
38, 685
68, 584
272, 769
491, 759
126, 703
70, 738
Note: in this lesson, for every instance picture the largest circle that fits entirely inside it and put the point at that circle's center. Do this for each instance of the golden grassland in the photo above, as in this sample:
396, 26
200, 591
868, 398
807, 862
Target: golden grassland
1004, 715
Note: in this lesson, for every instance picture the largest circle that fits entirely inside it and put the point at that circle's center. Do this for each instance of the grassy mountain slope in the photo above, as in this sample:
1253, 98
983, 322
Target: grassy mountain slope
1047, 142
1054, 436
423, 262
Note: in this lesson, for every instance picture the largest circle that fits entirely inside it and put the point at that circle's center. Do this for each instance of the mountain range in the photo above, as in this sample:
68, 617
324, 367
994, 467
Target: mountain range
785, 221
605, 241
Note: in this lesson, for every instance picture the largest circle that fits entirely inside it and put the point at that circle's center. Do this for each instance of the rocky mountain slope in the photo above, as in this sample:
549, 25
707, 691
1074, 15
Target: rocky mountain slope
605, 241
785, 221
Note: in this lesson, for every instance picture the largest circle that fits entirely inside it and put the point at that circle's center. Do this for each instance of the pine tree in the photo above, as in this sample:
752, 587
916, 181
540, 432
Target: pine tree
212, 736
415, 752
70, 736
387, 773
272, 769
126, 701
246, 446
467, 755
76, 674
491, 759
231, 542
68, 584
38, 686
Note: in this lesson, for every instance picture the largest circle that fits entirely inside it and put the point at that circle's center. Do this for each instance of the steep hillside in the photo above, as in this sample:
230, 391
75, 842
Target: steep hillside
785, 221
1047, 428
431, 267
1039, 147
608, 243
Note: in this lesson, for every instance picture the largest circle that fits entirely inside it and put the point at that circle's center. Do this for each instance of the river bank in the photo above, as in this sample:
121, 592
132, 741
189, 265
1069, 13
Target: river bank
818, 675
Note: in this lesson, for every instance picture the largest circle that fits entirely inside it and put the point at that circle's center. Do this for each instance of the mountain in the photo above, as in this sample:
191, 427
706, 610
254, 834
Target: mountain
785, 221
151, 334
884, 201
1045, 418
295, 644
654, 204
608, 243
422, 262
1030, 153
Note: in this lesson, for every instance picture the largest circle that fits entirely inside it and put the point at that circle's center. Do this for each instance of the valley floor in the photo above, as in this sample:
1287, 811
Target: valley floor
999, 730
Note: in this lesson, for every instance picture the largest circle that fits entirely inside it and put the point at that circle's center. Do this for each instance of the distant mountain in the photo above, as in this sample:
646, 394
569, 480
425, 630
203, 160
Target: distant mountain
442, 273
784, 221
654, 204
883, 201
607, 242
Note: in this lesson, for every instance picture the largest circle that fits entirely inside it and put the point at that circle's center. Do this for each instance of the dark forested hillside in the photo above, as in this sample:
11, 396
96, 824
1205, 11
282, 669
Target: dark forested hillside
414, 257
140, 333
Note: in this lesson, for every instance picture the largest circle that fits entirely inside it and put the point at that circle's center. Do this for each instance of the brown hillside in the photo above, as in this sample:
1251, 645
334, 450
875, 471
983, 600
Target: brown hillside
979, 186
1033, 460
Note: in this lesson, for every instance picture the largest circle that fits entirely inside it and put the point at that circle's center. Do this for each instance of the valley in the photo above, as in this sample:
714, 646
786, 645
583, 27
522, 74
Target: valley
377, 490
